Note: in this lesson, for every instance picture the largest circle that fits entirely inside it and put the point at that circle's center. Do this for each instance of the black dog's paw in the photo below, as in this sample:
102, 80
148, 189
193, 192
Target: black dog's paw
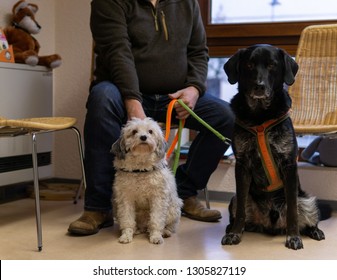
314, 233
231, 239
294, 242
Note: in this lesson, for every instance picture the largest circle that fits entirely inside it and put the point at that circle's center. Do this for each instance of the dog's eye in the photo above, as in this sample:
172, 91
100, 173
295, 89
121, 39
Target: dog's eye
271, 66
250, 65
134, 132
150, 131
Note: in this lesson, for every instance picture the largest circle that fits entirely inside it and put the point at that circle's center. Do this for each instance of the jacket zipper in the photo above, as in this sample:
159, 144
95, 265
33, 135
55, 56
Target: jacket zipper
154, 13
164, 25
156, 25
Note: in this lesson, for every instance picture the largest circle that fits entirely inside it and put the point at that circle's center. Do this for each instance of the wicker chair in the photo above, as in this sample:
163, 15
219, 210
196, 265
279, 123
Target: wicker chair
33, 127
314, 93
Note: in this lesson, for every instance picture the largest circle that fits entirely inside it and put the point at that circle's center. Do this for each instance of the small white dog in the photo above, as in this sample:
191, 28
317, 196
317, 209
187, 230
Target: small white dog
145, 191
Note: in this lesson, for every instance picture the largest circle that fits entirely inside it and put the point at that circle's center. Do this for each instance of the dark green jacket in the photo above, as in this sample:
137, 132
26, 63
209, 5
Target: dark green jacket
146, 50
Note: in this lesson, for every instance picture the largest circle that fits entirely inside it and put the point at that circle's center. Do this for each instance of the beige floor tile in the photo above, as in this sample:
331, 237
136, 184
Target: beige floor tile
193, 241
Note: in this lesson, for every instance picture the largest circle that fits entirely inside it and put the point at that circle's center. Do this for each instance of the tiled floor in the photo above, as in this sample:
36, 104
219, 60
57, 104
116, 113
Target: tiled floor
193, 241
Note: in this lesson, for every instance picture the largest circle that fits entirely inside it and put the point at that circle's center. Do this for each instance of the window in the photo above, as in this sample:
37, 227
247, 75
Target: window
227, 11
226, 38
217, 83
230, 27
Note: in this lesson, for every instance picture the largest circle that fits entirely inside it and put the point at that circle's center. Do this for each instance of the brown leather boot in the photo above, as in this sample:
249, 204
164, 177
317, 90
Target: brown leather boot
193, 209
91, 222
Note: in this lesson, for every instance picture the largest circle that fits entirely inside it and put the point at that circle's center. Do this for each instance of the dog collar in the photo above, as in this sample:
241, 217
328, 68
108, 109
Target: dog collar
268, 162
154, 168
137, 170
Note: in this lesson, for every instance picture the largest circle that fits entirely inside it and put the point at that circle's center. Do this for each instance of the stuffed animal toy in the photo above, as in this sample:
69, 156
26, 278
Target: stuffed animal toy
25, 46
321, 151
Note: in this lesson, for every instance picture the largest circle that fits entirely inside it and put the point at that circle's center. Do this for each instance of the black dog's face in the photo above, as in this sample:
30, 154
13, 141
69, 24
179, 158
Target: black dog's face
260, 71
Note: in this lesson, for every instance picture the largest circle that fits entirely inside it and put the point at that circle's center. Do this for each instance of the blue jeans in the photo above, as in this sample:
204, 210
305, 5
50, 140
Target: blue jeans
105, 116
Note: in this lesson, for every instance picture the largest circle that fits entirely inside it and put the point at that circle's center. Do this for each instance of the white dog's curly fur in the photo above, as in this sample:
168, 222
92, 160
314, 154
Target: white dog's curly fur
145, 191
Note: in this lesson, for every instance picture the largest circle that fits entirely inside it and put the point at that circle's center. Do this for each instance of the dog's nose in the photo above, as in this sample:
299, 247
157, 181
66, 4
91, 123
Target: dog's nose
143, 137
260, 87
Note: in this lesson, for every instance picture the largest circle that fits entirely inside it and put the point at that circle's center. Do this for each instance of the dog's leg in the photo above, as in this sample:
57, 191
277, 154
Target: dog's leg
309, 217
172, 219
291, 188
243, 179
231, 210
158, 211
126, 216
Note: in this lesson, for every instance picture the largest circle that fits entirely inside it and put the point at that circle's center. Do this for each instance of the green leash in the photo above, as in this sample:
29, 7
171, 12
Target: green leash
180, 128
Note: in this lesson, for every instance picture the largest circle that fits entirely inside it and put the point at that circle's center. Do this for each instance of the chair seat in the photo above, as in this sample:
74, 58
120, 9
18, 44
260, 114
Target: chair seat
48, 123
315, 129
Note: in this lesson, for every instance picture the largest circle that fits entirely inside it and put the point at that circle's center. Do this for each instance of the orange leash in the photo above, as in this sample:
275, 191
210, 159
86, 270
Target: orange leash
168, 127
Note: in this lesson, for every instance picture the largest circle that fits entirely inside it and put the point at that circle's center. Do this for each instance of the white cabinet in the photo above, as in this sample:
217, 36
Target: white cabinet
25, 91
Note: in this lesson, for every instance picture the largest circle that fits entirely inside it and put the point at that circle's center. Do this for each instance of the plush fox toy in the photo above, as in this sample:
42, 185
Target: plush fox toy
25, 46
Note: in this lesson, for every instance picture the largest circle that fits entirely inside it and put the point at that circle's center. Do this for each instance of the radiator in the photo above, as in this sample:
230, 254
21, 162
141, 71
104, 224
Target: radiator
25, 91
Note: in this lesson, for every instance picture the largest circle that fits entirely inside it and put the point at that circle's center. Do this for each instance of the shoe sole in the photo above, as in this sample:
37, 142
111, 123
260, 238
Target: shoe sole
206, 219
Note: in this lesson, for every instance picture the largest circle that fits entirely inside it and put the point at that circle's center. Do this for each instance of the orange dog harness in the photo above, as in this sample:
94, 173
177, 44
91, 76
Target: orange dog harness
267, 158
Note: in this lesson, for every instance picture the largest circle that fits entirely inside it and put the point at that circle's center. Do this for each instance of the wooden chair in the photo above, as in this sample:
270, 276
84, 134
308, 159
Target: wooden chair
314, 93
33, 127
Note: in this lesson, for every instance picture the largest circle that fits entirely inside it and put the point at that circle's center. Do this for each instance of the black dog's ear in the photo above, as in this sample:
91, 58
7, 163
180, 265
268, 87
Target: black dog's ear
118, 148
290, 68
231, 67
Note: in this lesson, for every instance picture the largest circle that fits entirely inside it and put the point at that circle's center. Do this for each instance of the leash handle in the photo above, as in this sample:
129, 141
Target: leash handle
177, 138
169, 118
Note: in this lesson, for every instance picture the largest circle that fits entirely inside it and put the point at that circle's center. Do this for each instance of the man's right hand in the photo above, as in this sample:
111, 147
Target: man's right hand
134, 109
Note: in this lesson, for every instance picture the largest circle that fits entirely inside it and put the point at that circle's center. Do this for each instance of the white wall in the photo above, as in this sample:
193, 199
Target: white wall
74, 43
65, 30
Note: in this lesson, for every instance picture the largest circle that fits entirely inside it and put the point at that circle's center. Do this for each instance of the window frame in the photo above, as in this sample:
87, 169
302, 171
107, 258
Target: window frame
226, 39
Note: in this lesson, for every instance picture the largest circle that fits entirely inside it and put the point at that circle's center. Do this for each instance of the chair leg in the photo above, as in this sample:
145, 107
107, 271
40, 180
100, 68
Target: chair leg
78, 192
80, 150
207, 198
37, 192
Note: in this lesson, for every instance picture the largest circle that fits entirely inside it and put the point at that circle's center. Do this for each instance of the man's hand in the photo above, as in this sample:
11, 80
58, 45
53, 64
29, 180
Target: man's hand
134, 109
189, 96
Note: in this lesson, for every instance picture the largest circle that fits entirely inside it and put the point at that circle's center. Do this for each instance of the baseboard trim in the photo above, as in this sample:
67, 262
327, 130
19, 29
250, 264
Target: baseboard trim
19, 191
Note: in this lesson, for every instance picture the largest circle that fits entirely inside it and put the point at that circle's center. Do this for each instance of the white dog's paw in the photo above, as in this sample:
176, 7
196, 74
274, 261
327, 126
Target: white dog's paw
156, 238
126, 236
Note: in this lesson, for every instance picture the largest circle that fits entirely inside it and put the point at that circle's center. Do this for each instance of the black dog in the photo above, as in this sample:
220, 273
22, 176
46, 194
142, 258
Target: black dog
268, 197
